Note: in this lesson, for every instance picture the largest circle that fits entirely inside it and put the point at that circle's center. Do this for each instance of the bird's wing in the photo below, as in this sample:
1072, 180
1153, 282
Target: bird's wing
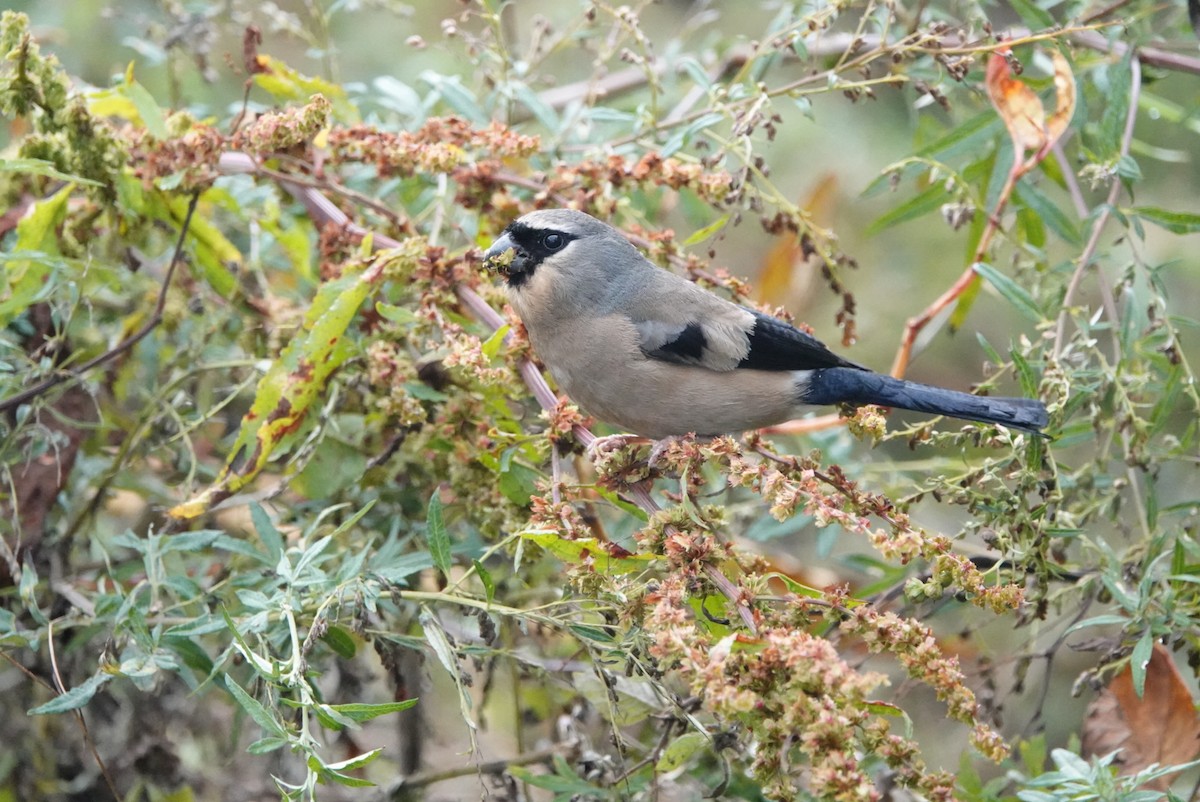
734, 337
775, 345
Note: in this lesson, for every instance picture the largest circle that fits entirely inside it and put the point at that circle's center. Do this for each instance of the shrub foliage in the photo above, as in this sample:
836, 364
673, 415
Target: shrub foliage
271, 439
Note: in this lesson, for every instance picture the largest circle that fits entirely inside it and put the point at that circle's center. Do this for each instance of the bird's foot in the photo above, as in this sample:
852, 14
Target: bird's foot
660, 448
603, 447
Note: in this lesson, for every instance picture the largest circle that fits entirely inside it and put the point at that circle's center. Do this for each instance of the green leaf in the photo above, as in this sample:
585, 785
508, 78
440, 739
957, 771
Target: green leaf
485, 577
396, 314
591, 633
356, 762
255, 709
148, 109
570, 785
43, 168
267, 533
681, 750
341, 642
1012, 292
437, 639
458, 97
75, 698
294, 382
963, 137
492, 345
528, 98
518, 482
436, 535
360, 712
214, 252
1034, 17
334, 466
1175, 222
1139, 660
264, 745
1112, 122
928, 201
707, 231
1049, 213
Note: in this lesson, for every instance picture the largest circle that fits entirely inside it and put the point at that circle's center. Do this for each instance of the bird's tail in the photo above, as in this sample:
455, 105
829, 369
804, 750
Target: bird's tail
848, 385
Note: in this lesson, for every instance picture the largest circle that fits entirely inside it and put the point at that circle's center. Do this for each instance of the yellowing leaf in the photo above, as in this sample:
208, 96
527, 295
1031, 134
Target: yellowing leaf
287, 84
24, 279
292, 384
600, 555
778, 275
1064, 105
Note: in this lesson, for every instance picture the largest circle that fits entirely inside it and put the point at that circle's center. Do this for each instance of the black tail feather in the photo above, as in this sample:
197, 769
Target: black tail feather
850, 386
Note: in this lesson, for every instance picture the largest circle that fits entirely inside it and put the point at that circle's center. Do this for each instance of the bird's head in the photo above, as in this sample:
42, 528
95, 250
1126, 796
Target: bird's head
551, 240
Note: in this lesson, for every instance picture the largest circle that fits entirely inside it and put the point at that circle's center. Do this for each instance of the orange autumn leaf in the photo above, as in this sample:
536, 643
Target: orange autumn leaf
776, 281
1161, 726
1022, 111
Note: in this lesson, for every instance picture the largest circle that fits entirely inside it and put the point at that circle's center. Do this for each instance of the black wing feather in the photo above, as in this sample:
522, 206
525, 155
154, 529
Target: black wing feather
774, 345
687, 348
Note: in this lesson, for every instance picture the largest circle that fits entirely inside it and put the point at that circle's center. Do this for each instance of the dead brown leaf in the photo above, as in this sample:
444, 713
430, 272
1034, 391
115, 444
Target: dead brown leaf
1022, 111
1160, 727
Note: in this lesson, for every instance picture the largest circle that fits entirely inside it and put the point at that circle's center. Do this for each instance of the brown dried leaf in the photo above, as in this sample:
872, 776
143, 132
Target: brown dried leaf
1161, 727
1022, 111
1016, 104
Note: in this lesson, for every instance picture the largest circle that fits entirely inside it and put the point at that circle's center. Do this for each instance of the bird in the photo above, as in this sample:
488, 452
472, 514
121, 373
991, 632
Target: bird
646, 350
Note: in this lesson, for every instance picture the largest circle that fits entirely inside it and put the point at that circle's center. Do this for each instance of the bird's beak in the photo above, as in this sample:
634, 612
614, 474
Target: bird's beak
504, 257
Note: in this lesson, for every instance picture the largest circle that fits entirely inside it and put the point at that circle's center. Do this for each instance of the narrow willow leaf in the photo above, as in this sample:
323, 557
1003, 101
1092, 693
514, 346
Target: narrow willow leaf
361, 712
928, 201
437, 639
1142, 652
255, 709
1049, 212
1012, 292
1175, 222
148, 109
436, 535
44, 168
706, 232
75, 698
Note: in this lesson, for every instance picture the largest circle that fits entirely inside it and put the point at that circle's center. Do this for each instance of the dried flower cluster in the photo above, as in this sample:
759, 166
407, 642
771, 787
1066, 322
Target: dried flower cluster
281, 131
809, 712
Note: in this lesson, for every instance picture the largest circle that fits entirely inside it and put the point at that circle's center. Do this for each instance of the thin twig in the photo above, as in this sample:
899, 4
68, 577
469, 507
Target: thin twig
156, 317
424, 778
1089, 249
87, 736
914, 325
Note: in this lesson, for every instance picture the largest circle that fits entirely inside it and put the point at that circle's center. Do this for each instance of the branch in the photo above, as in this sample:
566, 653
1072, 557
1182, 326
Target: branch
421, 779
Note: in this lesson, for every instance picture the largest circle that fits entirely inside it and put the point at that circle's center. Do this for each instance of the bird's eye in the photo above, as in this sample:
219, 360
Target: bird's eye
553, 241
